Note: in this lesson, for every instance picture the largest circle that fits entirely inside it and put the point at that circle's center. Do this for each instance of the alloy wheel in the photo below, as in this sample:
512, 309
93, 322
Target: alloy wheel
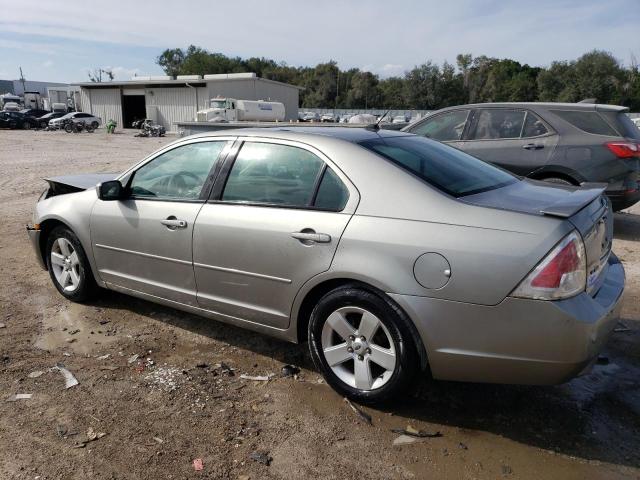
65, 264
358, 348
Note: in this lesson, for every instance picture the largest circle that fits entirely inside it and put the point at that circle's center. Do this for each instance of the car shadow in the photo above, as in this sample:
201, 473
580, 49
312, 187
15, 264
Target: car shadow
626, 226
593, 417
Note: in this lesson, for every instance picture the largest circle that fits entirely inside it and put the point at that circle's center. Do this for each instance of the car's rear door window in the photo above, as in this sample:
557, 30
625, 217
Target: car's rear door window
533, 126
590, 122
444, 127
273, 174
496, 123
448, 169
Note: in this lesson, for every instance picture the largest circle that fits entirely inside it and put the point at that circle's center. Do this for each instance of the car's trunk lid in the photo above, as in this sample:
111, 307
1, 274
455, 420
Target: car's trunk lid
585, 207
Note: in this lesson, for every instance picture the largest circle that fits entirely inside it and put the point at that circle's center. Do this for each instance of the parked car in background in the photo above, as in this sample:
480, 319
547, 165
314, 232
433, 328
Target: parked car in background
76, 117
636, 121
322, 233
34, 112
44, 120
15, 120
310, 117
328, 117
565, 143
399, 119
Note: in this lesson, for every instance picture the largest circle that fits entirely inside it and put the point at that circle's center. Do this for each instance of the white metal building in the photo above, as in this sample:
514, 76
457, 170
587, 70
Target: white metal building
167, 101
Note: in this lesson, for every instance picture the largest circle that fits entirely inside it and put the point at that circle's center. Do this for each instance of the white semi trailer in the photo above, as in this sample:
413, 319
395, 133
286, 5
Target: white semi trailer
232, 110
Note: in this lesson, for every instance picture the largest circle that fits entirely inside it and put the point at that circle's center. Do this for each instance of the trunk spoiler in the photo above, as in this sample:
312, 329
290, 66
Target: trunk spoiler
575, 202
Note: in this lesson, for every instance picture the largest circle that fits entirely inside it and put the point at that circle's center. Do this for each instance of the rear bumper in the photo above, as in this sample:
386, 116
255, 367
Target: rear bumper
34, 238
518, 341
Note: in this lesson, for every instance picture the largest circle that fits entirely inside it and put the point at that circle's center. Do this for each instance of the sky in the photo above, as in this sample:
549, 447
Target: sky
59, 40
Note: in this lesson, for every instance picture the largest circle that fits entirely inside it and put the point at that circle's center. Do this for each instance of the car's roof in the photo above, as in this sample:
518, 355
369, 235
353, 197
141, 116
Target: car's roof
349, 134
542, 105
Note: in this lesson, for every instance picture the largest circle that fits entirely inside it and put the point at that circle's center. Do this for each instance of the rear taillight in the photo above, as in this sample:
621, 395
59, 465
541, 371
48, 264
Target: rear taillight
561, 274
624, 149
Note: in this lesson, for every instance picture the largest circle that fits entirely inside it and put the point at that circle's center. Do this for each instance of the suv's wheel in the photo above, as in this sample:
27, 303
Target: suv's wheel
68, 265
361, 343
94, 124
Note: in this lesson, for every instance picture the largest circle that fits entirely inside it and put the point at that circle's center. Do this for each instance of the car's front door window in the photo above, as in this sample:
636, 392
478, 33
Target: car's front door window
178, 174
445, 127
493, 124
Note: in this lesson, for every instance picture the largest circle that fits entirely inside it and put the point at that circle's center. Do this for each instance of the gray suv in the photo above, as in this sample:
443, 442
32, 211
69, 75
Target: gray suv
567, 143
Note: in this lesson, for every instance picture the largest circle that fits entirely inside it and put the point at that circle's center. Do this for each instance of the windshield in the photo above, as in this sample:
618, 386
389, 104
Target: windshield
218, 104
450, 170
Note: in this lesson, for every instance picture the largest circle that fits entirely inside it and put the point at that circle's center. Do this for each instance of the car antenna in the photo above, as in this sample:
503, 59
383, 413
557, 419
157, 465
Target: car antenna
376, 126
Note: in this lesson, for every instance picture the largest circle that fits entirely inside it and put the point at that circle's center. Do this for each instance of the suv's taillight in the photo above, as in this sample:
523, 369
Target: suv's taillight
561, 274
624, 149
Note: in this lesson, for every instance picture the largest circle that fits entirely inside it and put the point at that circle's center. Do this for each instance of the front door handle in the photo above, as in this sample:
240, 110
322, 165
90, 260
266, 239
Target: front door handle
308, 236
532, 146
172, 223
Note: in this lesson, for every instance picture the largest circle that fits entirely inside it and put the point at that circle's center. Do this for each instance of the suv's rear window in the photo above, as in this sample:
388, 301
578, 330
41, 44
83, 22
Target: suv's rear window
623, 124
590, 122
450, 170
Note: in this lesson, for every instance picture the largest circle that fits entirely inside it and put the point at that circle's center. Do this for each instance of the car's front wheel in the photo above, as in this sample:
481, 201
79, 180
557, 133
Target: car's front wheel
361, 343
26, 126
68, 265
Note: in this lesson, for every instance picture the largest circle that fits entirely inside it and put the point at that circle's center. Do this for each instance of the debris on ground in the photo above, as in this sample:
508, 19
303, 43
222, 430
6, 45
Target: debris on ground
2, 325
506, 470
165, 378
133, 358
158, 439
224, 369
198, 465
19, 396
462, 446
202, 365
361, 413
103, 357
36, 374
73, 332
622, 328
261, 457
404, 440
69, 379
412, 432
290, 370
92, 436
111, 368
259, 378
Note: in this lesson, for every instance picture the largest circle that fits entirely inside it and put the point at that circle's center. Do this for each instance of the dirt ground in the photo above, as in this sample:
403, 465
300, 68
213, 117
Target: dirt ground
183, 399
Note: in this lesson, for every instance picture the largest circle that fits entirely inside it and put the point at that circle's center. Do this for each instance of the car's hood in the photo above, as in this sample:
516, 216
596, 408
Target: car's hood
81, 182
541, 198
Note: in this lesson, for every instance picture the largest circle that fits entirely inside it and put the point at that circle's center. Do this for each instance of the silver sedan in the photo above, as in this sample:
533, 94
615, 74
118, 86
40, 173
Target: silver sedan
391, 254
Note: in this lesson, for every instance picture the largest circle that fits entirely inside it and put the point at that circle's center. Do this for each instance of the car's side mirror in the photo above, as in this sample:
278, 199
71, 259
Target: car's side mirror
111, 190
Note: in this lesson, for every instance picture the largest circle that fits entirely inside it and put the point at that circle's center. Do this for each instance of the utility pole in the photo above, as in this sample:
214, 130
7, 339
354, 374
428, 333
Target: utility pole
24, 88
337, 89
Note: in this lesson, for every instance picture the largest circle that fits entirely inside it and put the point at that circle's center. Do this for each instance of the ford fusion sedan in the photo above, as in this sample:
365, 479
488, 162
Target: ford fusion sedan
566, 143
392, 254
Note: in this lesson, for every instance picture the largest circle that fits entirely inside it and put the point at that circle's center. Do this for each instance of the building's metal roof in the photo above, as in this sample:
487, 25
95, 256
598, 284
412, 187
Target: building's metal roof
145, 82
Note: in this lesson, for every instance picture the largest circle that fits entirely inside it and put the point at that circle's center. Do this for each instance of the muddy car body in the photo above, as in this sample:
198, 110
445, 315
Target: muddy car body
367, 243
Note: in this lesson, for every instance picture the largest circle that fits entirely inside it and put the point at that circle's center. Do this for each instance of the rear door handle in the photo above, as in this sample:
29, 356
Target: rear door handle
311, 236
532, 146
172, 223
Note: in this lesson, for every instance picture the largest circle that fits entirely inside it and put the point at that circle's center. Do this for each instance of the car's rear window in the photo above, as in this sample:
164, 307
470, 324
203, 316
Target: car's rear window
590, 122
450, 170
623, 124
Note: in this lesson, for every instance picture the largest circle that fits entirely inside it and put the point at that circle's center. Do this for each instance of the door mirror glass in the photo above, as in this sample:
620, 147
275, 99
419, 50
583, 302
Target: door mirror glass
111, 190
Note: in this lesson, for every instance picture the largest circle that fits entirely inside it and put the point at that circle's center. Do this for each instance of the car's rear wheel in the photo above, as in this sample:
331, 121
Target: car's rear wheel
44, 125
68, 265
26, 126
94, 125
361, 343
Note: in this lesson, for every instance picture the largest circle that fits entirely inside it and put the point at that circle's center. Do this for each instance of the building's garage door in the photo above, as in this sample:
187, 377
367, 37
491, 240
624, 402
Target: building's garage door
106, 104
172, 105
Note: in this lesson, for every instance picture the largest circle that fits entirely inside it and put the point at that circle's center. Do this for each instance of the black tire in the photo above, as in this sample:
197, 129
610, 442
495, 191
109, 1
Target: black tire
558, 181
392, 318
44, 125
13, 125
26, 126
69, 128
89, 128
95, 125
87, 285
